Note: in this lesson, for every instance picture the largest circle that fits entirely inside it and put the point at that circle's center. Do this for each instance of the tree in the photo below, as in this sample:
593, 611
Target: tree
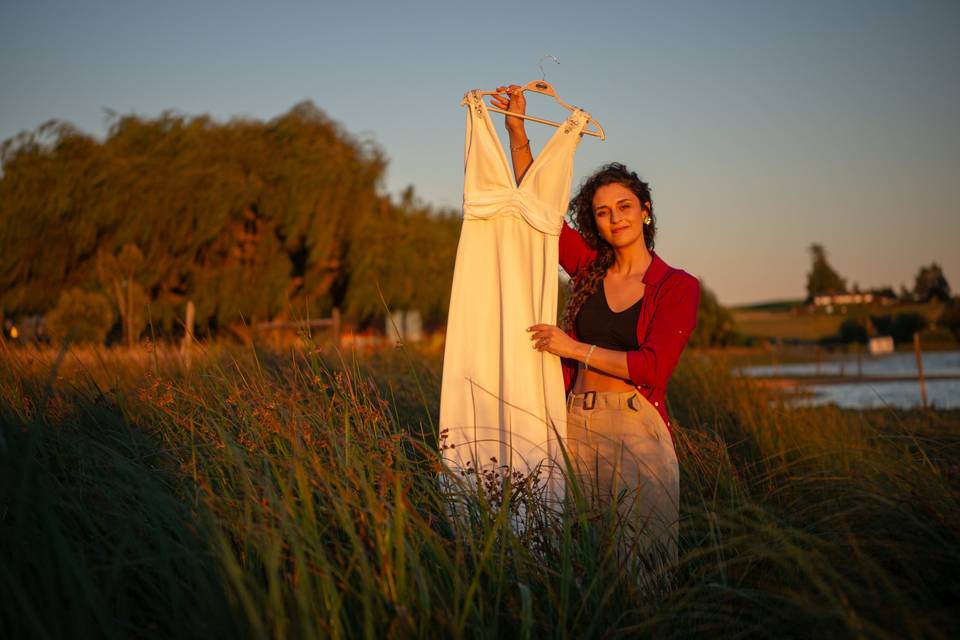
950, 318
250, 220
118, 275
930, 283
852, 330
905, 325
884, 292
715, 326
822, 278
411, 264
900, 326
80, 316
905, 295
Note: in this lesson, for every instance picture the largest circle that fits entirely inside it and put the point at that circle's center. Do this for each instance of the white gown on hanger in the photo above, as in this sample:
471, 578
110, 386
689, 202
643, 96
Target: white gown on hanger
502, 405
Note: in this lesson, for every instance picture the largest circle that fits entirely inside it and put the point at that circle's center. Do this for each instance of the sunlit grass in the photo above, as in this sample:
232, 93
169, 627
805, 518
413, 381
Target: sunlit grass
294, 494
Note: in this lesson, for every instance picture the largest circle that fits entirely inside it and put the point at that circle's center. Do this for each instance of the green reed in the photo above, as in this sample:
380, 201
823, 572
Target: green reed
278, 494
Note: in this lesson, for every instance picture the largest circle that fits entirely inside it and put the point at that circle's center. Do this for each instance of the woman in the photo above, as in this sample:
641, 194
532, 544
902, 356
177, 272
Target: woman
626, 323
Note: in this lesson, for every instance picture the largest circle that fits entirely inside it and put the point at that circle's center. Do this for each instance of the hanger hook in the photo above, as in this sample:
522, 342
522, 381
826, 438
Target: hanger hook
543, 74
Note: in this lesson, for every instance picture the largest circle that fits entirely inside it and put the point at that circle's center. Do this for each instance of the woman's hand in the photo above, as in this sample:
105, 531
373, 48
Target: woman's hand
550, 338
511, 99
547, 337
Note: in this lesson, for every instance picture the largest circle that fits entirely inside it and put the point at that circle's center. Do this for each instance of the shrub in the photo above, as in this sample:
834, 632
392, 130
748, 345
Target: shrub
80, 316
715, 326
852, 331
950, 318
901, 326
905, 325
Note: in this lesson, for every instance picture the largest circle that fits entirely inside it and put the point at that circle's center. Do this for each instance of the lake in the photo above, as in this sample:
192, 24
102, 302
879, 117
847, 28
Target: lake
873, 394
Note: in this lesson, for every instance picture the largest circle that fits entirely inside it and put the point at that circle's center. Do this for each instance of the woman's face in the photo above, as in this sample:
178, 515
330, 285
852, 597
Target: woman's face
619, 215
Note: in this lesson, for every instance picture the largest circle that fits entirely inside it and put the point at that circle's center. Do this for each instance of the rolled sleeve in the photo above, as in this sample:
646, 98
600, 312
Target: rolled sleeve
673, 321
574, 252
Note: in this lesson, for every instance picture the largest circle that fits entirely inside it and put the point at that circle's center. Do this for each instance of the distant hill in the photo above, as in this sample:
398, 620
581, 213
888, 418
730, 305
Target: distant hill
791, 320
772, 305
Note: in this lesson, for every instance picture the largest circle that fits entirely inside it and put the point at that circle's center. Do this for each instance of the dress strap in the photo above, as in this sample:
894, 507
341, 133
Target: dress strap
576, 121
472, 98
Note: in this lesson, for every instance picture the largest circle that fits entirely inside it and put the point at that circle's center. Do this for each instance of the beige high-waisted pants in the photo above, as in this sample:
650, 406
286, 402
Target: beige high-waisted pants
623, 455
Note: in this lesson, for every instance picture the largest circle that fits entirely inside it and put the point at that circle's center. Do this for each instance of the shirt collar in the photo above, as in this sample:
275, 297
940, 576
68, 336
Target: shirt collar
657, 270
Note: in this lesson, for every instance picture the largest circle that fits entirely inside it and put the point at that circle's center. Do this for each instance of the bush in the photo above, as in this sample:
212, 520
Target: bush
80, 316
852, 331
901, 326
905, 325
715, 326
950, 318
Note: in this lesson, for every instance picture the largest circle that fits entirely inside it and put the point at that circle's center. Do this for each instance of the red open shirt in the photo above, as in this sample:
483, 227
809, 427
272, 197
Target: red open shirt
668, 315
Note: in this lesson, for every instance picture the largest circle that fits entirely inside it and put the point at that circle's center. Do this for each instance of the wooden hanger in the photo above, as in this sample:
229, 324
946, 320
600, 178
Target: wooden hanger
544, 87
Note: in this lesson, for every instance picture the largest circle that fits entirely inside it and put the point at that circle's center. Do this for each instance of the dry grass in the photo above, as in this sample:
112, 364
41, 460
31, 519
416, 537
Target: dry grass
294, 494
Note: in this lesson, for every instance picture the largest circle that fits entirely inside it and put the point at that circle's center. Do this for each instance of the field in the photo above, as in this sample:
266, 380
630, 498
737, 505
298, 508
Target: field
292, 494
786, 326
780, 322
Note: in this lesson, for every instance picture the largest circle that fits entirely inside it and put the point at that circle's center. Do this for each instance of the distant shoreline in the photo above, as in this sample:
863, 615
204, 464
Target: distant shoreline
799, 380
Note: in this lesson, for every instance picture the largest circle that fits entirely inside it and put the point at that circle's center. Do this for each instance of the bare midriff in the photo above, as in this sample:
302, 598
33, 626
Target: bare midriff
593, 380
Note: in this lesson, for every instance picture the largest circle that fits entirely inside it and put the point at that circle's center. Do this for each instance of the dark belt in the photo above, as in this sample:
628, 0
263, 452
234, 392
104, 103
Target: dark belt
589, 401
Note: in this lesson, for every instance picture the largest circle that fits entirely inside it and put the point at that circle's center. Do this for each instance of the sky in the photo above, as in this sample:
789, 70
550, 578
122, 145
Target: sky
762, 127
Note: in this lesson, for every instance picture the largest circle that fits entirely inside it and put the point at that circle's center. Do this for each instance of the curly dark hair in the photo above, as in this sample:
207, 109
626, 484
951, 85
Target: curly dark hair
581, 210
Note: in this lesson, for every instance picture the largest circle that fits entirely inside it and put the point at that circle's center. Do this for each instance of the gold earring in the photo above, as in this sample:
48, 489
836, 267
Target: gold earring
647, 220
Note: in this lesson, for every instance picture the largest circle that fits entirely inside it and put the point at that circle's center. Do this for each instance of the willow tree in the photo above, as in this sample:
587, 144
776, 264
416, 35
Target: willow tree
405, 253
246, 218
50, 227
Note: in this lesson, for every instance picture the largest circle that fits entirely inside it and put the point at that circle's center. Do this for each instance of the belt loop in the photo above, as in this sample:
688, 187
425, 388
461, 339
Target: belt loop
589, 400
632, 402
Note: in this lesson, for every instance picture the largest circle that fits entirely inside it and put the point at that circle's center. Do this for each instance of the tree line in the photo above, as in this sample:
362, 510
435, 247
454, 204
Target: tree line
929, 284
250, 220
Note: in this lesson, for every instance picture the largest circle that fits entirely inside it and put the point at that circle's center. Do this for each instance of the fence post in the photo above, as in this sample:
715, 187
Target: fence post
187, 343
336, 327
919, 354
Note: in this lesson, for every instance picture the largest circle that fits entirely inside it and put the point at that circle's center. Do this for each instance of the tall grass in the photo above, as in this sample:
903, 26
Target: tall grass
268, 494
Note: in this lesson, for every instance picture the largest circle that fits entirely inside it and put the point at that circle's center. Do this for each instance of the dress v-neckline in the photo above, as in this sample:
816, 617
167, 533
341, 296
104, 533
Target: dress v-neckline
603, 292
511, 179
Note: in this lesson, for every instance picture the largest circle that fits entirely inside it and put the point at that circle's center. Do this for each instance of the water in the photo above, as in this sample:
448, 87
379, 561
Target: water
941, 394
901, 394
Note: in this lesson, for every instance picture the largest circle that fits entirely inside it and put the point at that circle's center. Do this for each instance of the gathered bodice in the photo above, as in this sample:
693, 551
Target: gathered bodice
489, 189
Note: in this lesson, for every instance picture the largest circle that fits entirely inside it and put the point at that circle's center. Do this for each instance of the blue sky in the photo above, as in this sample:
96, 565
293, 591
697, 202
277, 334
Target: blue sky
762, 126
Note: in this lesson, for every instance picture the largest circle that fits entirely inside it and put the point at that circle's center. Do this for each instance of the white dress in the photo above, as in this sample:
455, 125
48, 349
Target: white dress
502, 405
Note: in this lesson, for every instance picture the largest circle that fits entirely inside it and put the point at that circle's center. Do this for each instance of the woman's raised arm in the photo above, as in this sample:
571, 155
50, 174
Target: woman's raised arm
513, 100
574, 252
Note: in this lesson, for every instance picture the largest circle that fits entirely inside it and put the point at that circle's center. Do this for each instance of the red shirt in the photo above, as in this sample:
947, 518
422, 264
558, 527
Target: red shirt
668, 315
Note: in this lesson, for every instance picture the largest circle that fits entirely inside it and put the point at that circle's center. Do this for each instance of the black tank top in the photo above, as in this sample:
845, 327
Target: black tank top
597, 324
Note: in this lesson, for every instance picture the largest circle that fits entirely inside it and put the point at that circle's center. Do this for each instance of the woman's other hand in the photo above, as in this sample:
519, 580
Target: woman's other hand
511, 98
548, 337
